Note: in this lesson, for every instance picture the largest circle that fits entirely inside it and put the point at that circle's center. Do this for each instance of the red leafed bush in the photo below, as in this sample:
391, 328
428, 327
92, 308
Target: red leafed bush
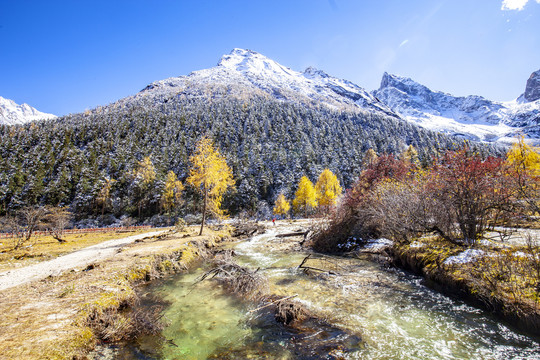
350, 218
469, 195
459, 198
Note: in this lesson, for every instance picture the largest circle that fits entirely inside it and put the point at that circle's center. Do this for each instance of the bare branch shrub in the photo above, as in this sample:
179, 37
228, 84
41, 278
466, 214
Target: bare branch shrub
57, 219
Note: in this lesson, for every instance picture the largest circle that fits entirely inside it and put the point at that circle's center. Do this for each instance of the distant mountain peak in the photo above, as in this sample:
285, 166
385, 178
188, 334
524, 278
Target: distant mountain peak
245, 72
532, 89
403, 83
314, 73
472, 117
249, 61
11, 113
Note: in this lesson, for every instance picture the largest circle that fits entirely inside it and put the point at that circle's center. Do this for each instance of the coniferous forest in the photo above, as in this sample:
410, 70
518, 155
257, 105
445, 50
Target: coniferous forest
269, 145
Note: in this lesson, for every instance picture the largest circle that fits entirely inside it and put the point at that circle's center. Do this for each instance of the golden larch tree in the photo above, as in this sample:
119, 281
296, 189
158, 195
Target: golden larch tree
143, 177
524, 157
369, 158
172, 193
410, 155
305, 198
281, 206
210, 176
524, 161
104, 196
327, 189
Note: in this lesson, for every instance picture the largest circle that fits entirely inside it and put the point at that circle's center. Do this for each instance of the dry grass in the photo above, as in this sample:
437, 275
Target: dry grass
60, 317
42, 248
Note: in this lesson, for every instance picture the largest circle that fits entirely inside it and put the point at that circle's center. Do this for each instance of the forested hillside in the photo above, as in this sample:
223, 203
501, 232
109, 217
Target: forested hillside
269, 144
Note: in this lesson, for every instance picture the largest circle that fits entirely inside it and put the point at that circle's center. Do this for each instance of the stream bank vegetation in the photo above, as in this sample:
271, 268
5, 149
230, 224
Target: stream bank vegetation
458, 221
70, 315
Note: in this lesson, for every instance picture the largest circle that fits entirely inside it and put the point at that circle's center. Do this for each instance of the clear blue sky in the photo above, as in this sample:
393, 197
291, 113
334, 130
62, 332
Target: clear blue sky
68, 56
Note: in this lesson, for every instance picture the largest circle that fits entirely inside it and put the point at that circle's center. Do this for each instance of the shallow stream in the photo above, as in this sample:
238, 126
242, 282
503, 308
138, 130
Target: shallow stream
372, 312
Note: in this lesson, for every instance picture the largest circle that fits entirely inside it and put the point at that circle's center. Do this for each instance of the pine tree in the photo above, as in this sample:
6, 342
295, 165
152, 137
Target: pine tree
305, 199
211, 176
281, 206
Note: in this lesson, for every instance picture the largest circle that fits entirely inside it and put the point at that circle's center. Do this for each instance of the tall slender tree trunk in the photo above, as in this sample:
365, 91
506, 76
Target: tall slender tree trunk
204, 210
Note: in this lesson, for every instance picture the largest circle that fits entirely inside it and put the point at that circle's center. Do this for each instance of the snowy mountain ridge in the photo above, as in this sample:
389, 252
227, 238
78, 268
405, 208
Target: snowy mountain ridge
245, 72
11, 113
472, 117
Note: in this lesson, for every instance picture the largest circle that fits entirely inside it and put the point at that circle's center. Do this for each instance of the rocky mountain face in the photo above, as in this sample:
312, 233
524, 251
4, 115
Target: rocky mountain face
532, 90
12, 113
470, 117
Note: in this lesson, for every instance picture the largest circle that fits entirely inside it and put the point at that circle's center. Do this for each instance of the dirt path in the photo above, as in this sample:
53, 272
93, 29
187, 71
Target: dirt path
79, 258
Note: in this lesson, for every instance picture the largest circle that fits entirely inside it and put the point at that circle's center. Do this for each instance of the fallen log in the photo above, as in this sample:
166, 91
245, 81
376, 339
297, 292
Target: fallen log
298, 233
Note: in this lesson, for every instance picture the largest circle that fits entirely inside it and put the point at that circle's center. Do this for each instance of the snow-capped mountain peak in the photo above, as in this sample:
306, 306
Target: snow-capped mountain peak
472, 117
11, 113
248, 61
244, 72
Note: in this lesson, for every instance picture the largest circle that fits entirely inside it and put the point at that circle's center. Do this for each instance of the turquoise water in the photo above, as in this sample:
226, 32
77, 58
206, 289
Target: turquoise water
369, 312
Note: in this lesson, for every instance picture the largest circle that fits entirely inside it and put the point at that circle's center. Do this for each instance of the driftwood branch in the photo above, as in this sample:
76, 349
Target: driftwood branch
273, 302
303, 266
304, 261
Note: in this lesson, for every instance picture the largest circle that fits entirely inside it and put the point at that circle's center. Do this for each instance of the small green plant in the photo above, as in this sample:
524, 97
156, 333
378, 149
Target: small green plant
180, 225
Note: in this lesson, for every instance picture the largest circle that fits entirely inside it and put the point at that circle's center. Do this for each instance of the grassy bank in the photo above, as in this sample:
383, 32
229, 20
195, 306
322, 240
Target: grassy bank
64, 317
502, 279
43, 248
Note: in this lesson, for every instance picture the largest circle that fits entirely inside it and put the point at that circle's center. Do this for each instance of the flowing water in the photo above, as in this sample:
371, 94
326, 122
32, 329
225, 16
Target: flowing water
372, 312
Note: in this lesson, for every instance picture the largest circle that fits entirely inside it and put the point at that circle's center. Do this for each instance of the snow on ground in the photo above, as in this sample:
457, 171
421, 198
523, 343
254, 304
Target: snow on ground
464, 257
378, 244
473, 131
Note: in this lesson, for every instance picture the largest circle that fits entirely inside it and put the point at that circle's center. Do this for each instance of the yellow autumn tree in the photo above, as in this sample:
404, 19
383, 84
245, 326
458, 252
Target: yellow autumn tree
524, 157
410, 155
210, 176
305, 198
172, 193
524, 161
327, 189
104, 196
143, 178
369, 158
281, 206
